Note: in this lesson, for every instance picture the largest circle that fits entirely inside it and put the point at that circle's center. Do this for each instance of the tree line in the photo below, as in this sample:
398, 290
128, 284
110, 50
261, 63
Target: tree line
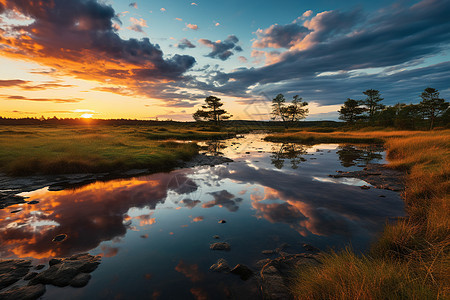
371, 111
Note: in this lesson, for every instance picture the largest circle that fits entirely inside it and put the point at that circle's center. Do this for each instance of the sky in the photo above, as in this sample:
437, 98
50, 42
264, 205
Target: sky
161, 59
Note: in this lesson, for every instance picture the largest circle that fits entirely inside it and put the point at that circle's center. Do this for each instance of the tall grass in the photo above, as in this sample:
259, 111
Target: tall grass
411, 259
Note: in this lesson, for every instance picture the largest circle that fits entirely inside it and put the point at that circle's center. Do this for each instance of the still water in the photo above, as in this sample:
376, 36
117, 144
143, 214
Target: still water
154, 231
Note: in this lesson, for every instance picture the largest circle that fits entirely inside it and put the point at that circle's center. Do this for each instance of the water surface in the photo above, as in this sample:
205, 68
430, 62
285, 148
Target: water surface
154, 231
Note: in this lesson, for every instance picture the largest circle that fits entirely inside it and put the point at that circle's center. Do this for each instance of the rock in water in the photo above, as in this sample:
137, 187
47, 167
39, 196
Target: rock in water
243, 271
59, 238
24, 293
12, 270
68, 271
216, 237
220, 266
80, 280
220, 246
365, 187
222, 221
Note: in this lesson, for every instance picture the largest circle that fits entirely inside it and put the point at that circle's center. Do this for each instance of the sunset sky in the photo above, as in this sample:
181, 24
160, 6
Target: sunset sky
160, 59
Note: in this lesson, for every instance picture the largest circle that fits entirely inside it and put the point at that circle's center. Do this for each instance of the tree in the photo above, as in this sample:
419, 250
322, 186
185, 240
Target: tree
289, 114
373, 102
211, 111
350, 112
432, 106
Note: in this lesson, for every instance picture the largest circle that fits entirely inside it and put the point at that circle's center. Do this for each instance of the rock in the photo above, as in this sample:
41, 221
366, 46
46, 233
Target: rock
24, 293
68, 270
220, 266
275, 274
220, 246
310, 248
222, 222
268, 252
30, 275
33, 202
80, 280
382, 196
282, 247
54, 261
365, 187
39, 267
243, 271
59, 238
9, 198
378, 176
12, 270
216, 237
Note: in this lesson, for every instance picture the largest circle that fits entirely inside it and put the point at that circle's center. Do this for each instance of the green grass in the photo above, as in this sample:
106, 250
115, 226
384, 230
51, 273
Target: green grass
27, 150
411, 258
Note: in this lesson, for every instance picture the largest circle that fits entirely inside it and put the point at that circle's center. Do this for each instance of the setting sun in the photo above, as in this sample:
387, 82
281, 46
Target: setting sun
86, 116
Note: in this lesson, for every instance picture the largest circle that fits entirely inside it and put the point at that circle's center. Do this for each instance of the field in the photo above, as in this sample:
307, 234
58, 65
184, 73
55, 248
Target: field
27, 150
411, 259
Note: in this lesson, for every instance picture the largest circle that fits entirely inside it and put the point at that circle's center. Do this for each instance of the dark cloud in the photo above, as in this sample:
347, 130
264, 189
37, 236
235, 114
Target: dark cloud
225, 199
133, 4
280, 36
222, 49
55, 100
185, 43
341, 42
189, 203
79, 37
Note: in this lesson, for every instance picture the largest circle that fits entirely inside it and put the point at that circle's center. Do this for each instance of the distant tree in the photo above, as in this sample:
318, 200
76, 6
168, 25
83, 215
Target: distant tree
350, 112
408, 115
373, 102
211, 111
289, 114
431, 105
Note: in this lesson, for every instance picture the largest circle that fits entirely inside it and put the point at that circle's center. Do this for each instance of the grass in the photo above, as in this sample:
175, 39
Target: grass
28, 150
411, 258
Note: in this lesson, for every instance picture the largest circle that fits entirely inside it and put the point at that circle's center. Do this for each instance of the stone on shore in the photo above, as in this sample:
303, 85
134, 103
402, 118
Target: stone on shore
220, 266
12, 270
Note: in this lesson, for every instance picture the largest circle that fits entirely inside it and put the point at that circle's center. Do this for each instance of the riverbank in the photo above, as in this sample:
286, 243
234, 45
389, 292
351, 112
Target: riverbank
411, 257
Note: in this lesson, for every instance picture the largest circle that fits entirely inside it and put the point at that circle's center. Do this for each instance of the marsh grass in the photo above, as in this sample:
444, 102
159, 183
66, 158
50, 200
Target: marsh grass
411, 258
62, 150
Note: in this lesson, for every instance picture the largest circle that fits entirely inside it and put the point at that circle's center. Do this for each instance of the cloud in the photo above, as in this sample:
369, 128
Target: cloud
133, 4
217, 24
222, 49
184, 43
243, 59
78, 38
339, 44
223, 199
179, 19
137, 24
280, 36
193, 3
192, 26
162, 9
55, 100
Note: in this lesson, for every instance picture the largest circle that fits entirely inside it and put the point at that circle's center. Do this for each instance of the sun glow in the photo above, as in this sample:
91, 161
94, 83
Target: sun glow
87, 116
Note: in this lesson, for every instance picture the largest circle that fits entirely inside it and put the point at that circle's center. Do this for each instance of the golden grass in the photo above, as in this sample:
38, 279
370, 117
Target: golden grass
411, 259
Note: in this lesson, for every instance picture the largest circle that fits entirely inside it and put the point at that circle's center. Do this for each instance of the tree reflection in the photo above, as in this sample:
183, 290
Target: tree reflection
214, 147
351, 155
292, 152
